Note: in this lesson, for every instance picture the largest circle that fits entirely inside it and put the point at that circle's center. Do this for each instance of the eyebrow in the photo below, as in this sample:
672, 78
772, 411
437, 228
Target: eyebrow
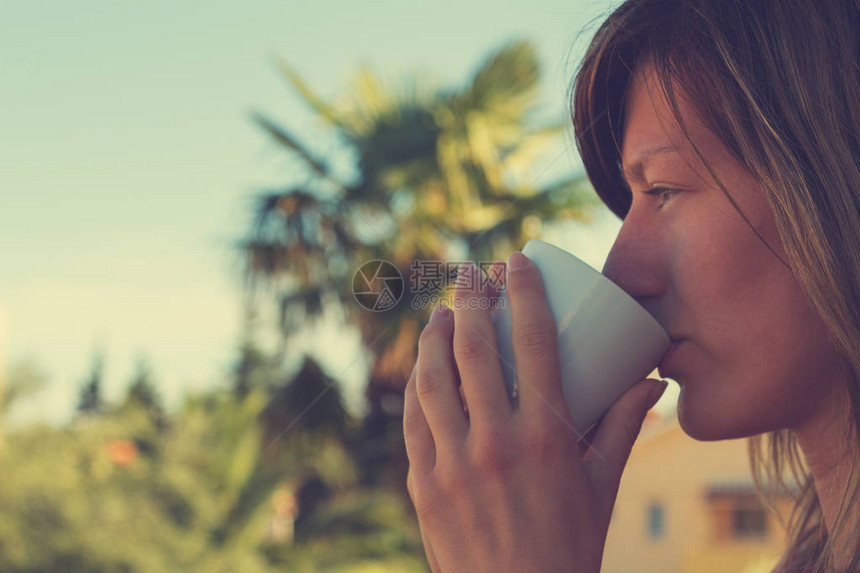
636, 170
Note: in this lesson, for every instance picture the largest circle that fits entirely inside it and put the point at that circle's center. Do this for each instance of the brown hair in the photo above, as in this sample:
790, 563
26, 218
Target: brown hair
778, 81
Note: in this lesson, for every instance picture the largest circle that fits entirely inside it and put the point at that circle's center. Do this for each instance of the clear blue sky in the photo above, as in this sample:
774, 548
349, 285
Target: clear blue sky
127, 160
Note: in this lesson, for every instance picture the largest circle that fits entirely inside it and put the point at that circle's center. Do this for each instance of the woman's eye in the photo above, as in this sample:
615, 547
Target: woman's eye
663, 192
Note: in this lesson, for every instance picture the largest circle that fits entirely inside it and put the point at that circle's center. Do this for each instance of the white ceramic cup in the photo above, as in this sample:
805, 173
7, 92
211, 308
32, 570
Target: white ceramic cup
607, 342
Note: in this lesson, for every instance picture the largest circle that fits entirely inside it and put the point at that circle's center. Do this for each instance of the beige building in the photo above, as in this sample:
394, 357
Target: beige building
689, 507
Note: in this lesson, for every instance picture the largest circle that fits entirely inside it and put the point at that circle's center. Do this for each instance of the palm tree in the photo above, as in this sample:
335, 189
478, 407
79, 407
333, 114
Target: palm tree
439, 171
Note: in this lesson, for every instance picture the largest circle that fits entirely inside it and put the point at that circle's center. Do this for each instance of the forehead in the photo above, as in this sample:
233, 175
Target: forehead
652, 134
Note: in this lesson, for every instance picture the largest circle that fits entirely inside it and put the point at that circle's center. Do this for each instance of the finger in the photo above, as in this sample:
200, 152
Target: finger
456, 379
456, 375
495, 279
535, 341
428, 549
475, 351
615, 436
436, 384
420, 448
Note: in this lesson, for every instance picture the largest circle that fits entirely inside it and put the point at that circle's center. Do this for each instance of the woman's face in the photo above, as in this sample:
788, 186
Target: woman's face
754, 356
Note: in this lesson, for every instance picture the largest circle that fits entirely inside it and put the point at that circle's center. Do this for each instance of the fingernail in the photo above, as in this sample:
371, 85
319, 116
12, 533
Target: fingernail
517, 261
440, 312
656, 393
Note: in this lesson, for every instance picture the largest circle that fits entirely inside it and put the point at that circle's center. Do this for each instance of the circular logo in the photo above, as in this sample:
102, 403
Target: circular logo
377, 285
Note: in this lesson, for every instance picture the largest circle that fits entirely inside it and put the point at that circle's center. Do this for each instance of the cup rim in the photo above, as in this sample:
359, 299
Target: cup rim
540, 244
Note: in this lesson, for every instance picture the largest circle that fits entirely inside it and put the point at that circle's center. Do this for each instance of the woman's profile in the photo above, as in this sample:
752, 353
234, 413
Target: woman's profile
726, 136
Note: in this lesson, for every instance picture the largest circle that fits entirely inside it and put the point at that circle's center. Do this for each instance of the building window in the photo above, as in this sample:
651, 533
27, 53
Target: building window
656, 521
749, 522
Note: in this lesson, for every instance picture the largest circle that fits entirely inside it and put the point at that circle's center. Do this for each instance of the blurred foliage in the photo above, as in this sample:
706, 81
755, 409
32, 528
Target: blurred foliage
24, 379
90, 400
224, 484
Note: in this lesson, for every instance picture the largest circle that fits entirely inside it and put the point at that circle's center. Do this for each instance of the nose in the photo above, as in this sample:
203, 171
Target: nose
637, 263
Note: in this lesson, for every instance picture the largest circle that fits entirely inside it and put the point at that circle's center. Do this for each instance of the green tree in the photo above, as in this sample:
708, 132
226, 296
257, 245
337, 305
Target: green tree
90, 400
310, 403
254, 368
142, 393
142, 388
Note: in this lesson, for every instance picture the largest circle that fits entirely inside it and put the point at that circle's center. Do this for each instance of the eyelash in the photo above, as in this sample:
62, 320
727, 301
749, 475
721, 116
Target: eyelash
663, 192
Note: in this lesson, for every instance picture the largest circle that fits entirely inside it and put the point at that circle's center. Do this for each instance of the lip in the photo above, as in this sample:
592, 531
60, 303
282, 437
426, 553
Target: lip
667, 358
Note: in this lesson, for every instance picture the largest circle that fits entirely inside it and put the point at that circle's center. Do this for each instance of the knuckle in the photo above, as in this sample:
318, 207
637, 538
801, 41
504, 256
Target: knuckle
424, 498
492, 456
450, 479
429, 334
469, 345
429, 380
544, 443
411, 428
535, 337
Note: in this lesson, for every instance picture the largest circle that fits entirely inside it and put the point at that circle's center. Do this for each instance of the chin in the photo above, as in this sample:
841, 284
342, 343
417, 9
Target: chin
706, 423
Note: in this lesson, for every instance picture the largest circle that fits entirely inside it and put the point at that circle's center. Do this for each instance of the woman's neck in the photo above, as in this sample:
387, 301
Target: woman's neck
822, 440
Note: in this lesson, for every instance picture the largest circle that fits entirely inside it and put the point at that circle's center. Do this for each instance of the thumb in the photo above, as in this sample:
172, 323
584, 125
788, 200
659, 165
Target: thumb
614, 439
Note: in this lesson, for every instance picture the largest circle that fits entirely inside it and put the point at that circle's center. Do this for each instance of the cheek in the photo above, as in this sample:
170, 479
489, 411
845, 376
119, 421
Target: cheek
736, 295
762, 360
722, 291
759, 357
805, 365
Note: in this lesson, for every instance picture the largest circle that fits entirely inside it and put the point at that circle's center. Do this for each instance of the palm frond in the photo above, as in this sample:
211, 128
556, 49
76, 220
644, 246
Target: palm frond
507, 82
323, 109
569, 199
521, 157
283, 137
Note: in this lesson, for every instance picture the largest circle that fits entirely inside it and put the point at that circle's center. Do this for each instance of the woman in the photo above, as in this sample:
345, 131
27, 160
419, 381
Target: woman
726, 136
